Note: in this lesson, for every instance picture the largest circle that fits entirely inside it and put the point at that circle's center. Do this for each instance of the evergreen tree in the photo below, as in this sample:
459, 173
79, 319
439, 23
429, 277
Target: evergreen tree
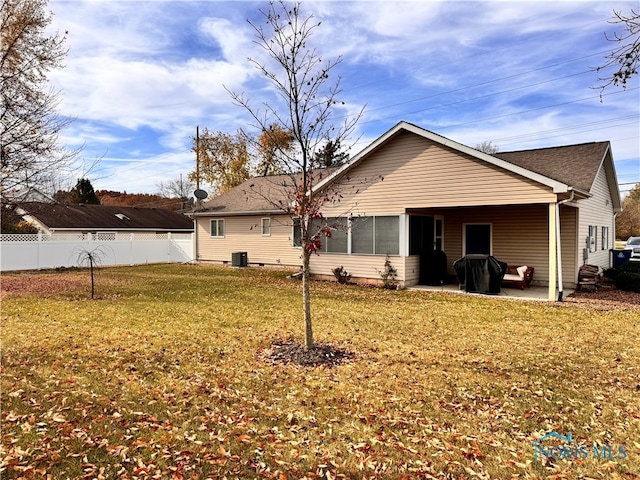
83, 192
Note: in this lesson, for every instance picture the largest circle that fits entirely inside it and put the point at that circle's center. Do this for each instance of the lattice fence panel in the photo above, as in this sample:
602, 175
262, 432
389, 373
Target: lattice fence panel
18, 237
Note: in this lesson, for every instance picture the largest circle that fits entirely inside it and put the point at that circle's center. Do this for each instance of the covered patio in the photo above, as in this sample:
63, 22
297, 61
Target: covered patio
531, 293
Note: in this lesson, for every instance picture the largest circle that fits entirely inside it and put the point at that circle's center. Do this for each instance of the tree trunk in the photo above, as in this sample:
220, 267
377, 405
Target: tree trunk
306, 299
91, 268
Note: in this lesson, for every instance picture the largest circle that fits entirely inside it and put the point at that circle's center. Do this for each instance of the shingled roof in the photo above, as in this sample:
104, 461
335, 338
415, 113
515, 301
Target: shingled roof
560, 168
270, 194
106, 217
574, 165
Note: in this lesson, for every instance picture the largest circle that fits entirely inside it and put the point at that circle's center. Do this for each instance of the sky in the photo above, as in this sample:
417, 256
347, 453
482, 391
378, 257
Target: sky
141, 75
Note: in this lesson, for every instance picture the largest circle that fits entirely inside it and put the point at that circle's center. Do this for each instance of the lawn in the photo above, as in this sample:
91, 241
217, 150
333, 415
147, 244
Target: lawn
160, 377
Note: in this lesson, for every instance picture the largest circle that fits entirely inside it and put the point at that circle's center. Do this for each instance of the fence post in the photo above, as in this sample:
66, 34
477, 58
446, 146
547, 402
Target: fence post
131, 240
39, 247
169, 247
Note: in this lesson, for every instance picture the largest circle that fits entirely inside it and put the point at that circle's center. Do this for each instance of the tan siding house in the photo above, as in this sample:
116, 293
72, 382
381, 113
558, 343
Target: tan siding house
412, 192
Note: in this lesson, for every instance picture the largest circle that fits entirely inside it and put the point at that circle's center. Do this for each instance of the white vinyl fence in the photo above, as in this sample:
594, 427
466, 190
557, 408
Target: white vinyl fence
38, 251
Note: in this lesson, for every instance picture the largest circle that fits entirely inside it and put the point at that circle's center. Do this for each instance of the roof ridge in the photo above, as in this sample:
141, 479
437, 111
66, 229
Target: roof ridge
571, 145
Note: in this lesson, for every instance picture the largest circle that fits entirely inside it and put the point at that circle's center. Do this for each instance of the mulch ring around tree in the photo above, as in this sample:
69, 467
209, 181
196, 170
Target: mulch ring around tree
289, 351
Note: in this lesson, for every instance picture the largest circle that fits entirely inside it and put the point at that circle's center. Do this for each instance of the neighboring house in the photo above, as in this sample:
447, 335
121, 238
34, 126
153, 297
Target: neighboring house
110, 222
412, 191
29, 194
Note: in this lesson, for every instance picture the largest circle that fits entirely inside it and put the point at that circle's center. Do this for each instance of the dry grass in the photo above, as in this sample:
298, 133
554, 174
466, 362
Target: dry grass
159, 378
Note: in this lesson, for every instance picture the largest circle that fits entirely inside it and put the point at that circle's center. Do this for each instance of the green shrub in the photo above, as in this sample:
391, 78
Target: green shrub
630, 267
341, 274
626, 276
610, 273
388, 275
628, 281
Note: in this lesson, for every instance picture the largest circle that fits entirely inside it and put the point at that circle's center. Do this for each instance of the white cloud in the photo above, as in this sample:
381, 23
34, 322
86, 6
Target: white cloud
142, 75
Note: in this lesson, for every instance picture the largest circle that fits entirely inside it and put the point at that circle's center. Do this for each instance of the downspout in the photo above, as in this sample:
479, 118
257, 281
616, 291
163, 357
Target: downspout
195, 231
559, 245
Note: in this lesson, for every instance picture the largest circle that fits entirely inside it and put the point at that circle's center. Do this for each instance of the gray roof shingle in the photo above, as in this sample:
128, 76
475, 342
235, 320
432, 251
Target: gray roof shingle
574, 165
271, 194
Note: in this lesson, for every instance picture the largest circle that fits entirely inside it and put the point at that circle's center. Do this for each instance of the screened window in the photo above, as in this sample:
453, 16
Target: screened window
376, 235
387, 235
339, 240
362, 235
217, 228
266, 227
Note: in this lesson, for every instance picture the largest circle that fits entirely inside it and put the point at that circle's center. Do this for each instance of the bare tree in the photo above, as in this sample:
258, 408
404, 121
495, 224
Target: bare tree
304, 106
29, 148
181, 187
626, 54
487, 147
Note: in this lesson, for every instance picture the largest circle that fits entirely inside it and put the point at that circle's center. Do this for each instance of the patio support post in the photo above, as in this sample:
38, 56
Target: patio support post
552, 252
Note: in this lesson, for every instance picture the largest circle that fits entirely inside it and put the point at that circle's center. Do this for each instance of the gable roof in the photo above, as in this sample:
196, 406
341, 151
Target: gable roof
556, 185
105, 217
563, 169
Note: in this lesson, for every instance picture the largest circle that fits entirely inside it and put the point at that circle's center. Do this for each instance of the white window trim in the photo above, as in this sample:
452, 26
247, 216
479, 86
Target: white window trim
217, 220
268, 219
605, 237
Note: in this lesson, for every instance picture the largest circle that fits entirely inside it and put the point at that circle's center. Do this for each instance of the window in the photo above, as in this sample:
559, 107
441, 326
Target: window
217, 228
438, 234
297, 233
339, 240
477, 238
605, 238
376, 235
387, 237
362, 235
266, 227
592, 240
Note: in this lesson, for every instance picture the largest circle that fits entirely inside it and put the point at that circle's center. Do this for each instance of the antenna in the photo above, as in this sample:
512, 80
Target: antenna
197, 157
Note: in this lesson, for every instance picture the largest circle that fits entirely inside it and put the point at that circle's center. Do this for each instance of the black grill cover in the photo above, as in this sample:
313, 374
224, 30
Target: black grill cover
480, 273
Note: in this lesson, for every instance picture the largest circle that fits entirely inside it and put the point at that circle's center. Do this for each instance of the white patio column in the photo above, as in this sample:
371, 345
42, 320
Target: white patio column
403, 227
553, 262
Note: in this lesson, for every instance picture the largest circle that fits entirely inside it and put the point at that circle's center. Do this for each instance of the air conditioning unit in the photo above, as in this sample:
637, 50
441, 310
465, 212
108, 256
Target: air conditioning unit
239, 259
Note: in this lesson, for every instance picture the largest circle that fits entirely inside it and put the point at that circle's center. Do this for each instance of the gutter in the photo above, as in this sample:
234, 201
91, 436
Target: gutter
213, 213
559, 245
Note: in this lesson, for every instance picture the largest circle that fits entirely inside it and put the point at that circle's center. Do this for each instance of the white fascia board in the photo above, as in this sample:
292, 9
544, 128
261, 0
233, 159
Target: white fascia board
612, 178
236, 214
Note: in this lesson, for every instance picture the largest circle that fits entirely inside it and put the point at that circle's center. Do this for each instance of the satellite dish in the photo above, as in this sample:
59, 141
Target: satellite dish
200, 194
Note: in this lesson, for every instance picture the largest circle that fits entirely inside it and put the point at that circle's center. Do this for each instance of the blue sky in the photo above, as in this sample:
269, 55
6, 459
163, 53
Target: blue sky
140, 75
